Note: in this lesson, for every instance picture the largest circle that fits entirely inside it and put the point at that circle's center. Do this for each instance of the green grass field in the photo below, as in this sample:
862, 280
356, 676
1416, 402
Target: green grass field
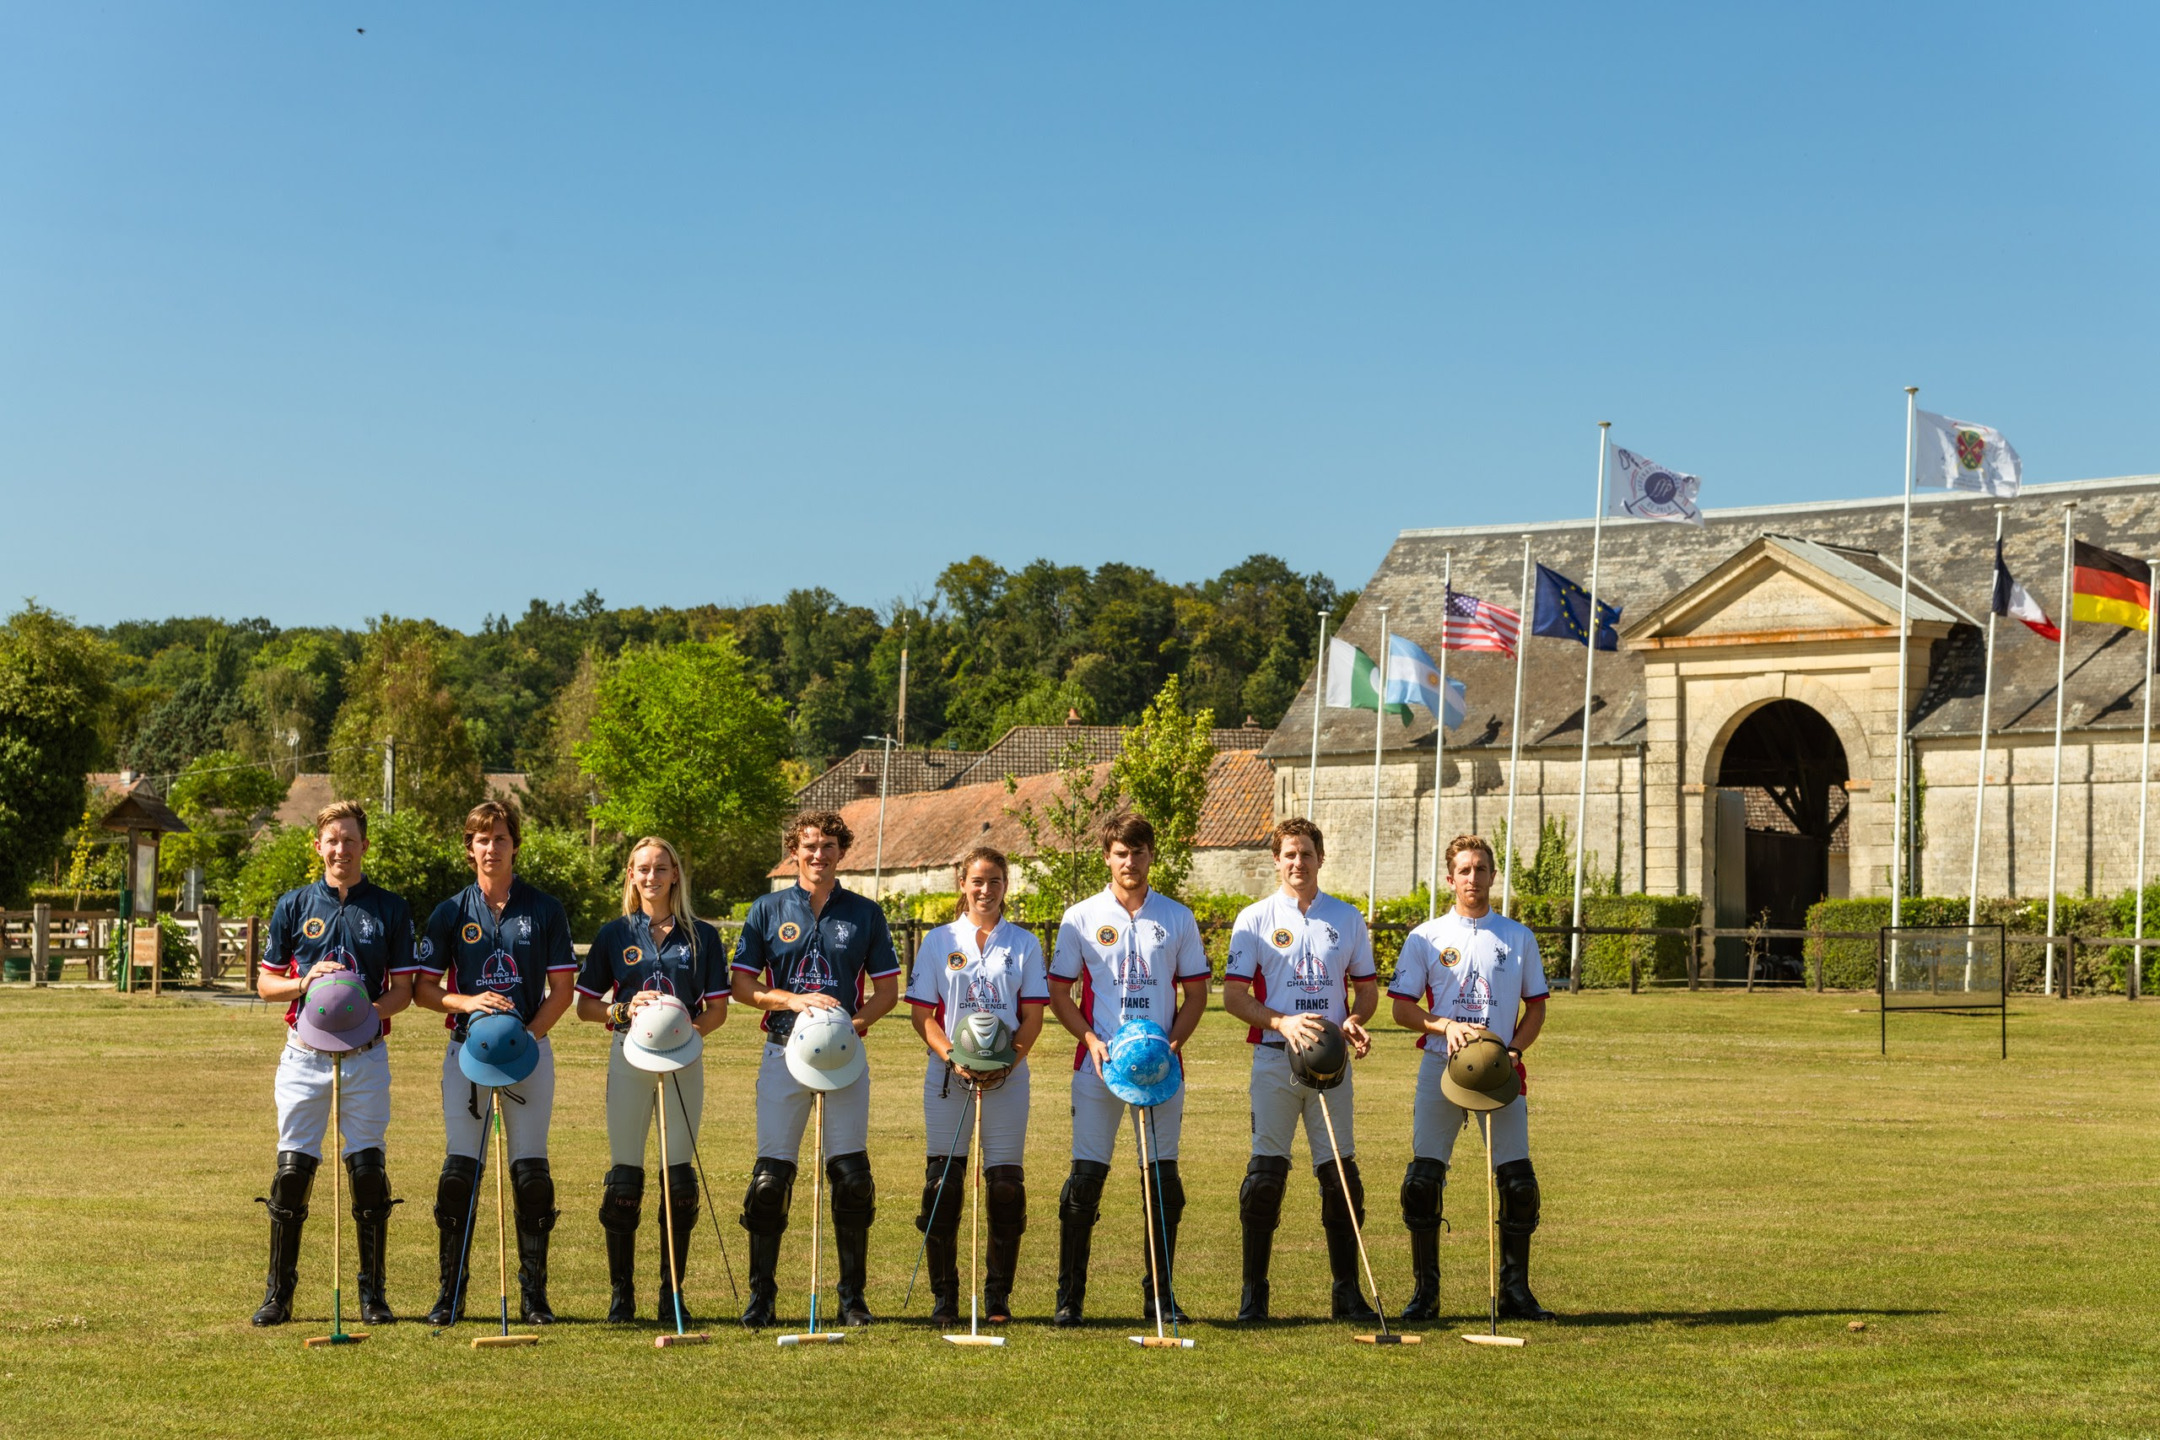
1729, 1180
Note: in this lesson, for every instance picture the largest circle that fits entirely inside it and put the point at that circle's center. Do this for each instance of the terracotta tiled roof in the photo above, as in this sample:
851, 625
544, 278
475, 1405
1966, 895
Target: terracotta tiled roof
1240, 805
305, 799
1036, 749
857, 775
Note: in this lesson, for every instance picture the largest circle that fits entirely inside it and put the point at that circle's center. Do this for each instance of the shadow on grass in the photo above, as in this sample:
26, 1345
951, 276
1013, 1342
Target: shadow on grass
1593, 1319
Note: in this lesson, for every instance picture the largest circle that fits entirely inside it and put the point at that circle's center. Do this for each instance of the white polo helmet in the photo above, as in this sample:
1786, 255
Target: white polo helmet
823, 1050
662, 1036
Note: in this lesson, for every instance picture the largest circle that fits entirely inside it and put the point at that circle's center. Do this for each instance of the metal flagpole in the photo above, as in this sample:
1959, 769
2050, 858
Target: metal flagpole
1379, 738
2062, 666
1439, 746
1312, 777
1987, 699
1904, 595
1589, 667
1514, 764
2137, 953
877, 882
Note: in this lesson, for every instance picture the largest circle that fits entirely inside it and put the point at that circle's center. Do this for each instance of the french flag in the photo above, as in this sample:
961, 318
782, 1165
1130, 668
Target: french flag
2011, 599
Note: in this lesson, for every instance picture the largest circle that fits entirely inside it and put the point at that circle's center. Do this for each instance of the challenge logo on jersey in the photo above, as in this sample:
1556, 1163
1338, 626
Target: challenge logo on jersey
632, 954
813, 973
499, 971
339, 955
1476, 996
1107, 935
312, 927
983, 993
1451, 957
789, 932
1131, 969
956, 961
1282, 938
471, 932
1308, 972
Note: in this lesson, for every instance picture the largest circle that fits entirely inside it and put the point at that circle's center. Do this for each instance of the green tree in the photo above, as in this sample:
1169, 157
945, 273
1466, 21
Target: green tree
1163, 769
53, 683
221, 795
398, 691
558, 792
1063, 861
280, 858
685, 745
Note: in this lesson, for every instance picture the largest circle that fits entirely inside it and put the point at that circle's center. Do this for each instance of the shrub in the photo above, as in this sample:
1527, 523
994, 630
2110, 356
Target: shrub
1851, 964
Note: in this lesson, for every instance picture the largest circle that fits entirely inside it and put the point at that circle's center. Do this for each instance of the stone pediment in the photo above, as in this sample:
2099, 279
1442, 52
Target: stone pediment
1780, 588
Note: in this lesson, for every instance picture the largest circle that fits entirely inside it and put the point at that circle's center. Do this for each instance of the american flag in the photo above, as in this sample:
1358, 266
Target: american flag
1474, 624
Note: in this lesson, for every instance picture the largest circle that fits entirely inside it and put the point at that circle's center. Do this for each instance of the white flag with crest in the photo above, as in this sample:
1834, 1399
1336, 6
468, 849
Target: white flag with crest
1959, 455
1645, 490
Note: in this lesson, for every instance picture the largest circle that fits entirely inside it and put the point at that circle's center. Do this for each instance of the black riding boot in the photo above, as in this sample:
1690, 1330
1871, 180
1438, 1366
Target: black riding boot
1005, 1202
854, 1206
1167, 1193
622, 1197
765, 1217
1518, 1187
533, 1189
287, 1203
371, 1204
454, 1193
1259, 1212
944, 1181
1423, 1190
1337, 1214
683, 1199
1078, 1208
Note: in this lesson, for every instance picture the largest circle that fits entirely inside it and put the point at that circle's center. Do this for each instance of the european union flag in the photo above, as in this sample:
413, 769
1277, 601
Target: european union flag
1563, 611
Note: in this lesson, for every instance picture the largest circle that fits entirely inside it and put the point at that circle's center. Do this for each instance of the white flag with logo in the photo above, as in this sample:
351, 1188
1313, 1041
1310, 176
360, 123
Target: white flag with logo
1646, 490
1958, 455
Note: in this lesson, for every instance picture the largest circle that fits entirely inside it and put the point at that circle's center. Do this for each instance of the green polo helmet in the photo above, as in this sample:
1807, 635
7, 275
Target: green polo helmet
983, 1043
1481, 1075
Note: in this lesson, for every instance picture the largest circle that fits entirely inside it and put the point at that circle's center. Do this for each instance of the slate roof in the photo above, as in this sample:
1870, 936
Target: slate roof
1035, 749
913, 771
1643, 563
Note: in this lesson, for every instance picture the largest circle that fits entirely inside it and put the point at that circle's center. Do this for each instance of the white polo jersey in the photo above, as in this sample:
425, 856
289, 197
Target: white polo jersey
1478, 972
1129, 966
1300, 962
956, 977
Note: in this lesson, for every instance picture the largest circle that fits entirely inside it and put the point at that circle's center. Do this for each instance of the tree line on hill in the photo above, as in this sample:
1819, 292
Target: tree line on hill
696, 722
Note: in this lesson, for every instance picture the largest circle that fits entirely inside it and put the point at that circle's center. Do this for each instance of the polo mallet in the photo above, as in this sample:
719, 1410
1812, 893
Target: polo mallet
502, 1238
817, 1243
337, 1335
472, 1213
1148, 1201
1492, 1244
974, 1335
667, 1231
710, 1213
1342, 1179
934, 1203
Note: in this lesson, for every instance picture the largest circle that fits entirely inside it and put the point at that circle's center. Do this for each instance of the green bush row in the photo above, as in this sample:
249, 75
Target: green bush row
1850, 964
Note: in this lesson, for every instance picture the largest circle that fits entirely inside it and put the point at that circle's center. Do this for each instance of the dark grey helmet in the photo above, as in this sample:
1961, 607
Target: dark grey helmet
1322, 1064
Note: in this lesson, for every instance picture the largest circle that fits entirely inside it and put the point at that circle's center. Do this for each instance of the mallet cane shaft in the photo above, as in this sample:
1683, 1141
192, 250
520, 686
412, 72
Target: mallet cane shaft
502, 1219
975, 1224
667, 1204
817, 1206
1492, 1228
1147, 1211
1342, 1178
337, 1195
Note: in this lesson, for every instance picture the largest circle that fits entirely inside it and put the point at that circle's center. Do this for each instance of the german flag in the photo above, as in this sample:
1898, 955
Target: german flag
2111, 588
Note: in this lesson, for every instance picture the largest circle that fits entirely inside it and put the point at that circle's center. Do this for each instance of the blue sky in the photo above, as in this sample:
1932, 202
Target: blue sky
709, 302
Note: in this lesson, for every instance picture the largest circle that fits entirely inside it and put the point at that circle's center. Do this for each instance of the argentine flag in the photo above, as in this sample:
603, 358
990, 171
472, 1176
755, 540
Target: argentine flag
1413, 679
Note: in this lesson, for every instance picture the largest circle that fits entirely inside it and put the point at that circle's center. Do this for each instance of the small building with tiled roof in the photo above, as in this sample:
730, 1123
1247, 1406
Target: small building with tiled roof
860, 774
1028, 750
926, 833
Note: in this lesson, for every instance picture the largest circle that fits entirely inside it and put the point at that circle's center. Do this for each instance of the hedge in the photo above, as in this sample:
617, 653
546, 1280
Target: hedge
1850, 964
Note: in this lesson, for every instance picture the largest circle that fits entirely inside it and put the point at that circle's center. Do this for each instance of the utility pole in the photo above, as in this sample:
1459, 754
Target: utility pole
877, 882
389, 776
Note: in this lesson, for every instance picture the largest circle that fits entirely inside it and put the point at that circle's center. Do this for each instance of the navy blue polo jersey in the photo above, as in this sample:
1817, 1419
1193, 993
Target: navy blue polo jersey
625, 959
793, 948
512, 956
370, 931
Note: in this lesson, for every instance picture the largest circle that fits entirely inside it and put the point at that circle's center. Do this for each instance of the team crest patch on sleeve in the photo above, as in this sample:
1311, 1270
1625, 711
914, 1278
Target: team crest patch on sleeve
425, 949
1282, 938
957, 960
1451, 957
1107, 935
632, 954
471, 932
789, 932
313, 928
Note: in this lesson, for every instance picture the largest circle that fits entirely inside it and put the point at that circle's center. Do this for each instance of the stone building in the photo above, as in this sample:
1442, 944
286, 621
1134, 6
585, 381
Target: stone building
1742, 742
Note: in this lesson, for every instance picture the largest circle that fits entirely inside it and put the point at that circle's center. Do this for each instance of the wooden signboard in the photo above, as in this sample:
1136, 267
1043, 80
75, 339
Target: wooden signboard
143, 951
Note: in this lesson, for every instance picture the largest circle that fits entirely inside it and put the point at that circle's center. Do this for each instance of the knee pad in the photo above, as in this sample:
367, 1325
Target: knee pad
1005, 1196
765, 1203
1169, 1190
1081, 1200
1259, 1199
1423, 1187
288, 1198
944, 1181
854, 1192
370, 1185
1517, 1184
622, 1195
682, 1188
454, 1191
1332, 1209
532, 1187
